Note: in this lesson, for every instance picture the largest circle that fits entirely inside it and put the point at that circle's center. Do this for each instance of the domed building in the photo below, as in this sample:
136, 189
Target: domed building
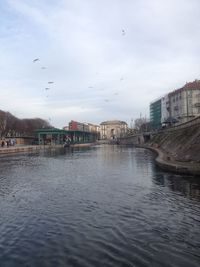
112, 130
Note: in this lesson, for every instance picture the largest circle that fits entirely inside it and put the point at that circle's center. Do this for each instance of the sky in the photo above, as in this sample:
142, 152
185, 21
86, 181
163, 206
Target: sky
107, 59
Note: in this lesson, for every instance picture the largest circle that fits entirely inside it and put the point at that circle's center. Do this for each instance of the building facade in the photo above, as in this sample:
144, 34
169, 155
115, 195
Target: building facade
112, 130
164, 108
155, 114
184, 103
178, 106
78, 126
84, 127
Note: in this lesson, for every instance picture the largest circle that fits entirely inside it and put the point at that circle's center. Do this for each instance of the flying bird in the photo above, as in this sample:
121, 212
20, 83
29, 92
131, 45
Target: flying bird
43, 68
123, 32
50, 82
47, 88
36, 59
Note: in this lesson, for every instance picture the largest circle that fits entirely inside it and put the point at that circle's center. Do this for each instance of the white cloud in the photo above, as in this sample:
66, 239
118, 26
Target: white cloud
82, 47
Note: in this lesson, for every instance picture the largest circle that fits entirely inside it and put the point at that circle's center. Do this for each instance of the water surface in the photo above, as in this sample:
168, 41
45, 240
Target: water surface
100, 206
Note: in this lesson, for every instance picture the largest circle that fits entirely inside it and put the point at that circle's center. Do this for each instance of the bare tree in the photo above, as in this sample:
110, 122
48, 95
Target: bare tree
12, 126
2, 122
138, 123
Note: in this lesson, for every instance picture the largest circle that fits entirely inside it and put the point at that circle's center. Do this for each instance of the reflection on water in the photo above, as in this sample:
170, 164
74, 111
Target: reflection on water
188, 186
97, 206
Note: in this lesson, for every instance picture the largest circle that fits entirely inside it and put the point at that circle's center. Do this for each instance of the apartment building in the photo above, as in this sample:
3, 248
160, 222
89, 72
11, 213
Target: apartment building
184, 103
180, 105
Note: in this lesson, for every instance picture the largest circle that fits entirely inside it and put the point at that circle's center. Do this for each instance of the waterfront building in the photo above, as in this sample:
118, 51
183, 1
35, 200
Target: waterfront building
184, 103
155, 114
164, 108
113, 129
78, 126
54, 136
66, 128
93, 128
178, 106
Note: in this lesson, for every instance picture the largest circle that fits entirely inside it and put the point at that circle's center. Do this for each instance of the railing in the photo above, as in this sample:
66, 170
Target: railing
183, 125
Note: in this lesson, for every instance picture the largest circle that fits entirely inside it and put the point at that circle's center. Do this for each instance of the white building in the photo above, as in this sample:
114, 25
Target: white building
184, 103
113, 129
164, 108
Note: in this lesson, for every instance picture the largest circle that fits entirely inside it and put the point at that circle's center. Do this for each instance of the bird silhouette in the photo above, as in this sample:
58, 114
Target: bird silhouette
123, 32
43, 68
35, 60
50, 82
47, 88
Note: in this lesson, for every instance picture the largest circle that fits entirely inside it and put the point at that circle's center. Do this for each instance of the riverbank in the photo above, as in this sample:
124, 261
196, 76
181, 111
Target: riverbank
167, 162
32, 148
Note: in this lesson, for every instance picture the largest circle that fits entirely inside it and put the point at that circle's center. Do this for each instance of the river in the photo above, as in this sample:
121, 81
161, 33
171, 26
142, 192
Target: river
97, 206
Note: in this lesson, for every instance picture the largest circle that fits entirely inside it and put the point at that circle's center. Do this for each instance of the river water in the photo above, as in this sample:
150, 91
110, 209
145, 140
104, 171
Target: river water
97, 206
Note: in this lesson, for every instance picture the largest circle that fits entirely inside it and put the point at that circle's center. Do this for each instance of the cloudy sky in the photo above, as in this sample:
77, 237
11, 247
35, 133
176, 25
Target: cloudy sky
108, 59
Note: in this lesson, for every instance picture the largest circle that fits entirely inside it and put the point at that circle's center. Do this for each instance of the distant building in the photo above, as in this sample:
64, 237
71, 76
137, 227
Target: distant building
184, 103
164, 108
113, 129
179, 105
78, 126
66, 128
93, 128
155, 114
83, 127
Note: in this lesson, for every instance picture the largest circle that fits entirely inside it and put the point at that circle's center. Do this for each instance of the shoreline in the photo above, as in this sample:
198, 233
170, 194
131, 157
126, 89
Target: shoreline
166, 162
32, 148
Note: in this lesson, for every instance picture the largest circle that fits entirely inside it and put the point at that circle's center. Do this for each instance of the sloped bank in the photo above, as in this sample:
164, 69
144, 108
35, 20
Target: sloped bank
166, 162
178, 148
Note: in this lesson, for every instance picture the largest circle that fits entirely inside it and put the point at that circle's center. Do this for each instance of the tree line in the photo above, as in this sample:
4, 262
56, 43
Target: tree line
13, 126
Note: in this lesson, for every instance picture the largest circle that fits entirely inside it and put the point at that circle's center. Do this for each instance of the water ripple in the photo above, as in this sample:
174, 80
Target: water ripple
103, 206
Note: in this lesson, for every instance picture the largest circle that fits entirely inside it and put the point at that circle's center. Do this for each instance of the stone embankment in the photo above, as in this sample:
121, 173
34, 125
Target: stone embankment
19, 149
178, 148
32, 148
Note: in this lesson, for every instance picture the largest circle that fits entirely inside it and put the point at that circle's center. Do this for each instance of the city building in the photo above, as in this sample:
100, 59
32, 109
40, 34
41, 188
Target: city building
84, 127
164, 108
113, 129
78, 126
178, 106
155, 114
184, 103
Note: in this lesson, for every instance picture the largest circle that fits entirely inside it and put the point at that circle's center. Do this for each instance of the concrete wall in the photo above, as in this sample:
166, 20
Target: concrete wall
180, 142
137, 139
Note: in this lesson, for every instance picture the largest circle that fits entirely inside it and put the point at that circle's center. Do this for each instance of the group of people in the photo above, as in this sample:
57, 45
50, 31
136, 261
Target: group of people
7, 143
